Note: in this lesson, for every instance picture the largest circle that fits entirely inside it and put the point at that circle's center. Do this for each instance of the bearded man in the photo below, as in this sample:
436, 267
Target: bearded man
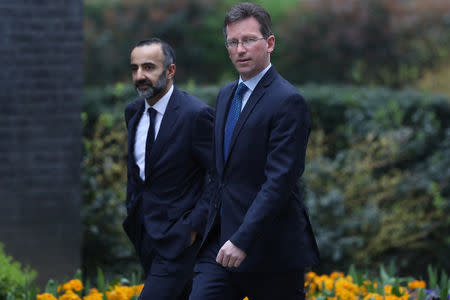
169, 154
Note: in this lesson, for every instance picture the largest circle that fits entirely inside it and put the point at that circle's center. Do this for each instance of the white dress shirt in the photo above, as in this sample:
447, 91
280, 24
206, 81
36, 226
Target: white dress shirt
142, 129
251, 84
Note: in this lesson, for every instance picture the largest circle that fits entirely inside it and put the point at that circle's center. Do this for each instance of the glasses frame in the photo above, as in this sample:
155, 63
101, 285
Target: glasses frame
249, 41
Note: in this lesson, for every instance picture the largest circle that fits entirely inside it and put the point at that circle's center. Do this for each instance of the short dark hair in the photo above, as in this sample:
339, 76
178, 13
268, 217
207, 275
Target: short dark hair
244, 10
169, 54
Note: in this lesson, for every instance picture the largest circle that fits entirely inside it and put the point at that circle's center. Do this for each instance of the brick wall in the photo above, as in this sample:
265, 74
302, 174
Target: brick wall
40, 134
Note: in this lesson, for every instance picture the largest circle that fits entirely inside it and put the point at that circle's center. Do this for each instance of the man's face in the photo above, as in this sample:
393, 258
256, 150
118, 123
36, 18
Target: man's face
147, 67
251, 60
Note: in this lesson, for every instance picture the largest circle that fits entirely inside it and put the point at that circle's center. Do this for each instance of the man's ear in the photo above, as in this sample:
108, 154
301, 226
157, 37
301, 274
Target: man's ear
270, 43
171, 71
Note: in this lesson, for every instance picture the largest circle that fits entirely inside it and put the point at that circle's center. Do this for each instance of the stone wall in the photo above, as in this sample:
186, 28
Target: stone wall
40, 134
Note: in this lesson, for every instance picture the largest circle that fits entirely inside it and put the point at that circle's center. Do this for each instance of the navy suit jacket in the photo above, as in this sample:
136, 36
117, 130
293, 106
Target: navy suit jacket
257, 185
167, 204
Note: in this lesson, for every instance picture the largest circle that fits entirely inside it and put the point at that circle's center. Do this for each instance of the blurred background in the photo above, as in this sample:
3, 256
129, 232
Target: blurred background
376, 77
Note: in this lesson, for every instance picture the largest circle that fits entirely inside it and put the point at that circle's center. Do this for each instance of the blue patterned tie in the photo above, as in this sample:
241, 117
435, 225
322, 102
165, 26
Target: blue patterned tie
150, 139
233, 116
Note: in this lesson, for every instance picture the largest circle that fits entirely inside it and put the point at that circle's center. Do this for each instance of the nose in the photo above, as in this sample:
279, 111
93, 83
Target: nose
139, 74
240, 48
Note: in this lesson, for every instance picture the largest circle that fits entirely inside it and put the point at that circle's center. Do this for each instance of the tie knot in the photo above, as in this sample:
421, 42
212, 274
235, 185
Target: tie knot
242, 88
152, 112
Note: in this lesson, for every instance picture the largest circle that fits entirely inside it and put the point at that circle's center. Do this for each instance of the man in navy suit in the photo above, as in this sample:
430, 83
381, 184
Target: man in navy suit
258, 238
169, 153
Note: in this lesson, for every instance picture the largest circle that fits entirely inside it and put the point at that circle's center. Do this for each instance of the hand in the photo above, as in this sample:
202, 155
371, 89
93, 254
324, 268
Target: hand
230, 255
193, 237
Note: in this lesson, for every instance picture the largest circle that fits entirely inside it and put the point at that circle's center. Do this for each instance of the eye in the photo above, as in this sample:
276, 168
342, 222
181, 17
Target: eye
148, 66
233, 43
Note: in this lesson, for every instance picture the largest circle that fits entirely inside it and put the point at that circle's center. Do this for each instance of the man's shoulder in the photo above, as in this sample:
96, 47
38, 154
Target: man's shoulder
284, 89
229, 85
226, 90
134, 105
189, 101
132, 108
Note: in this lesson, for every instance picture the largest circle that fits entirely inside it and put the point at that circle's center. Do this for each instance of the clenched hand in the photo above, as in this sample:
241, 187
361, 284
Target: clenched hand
230, 255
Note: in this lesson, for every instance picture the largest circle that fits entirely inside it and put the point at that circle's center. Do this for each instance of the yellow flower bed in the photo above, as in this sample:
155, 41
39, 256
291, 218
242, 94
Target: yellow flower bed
336, 286
340, 286
73, 290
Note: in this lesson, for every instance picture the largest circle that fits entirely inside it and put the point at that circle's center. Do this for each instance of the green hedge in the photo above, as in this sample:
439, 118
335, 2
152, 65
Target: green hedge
378, 176
376, 181
387, 42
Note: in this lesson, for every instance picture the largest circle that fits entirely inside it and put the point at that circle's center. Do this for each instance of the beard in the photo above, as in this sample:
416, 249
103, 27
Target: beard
152, 90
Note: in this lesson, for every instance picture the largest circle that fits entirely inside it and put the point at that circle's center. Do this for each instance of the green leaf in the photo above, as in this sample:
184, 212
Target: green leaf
352, 271
136, 277
444, 281
443, 293
421, 294
101, 286
87, 285
78, 275
396, 288
392, 268
52, 287
432, 277
384, 276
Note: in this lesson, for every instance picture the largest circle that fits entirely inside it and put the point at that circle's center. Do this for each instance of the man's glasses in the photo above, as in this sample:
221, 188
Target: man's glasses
246, 43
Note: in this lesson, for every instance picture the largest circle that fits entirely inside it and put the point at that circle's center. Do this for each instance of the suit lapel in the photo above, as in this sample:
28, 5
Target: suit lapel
256, 95
132, 125
221, 117
166, 128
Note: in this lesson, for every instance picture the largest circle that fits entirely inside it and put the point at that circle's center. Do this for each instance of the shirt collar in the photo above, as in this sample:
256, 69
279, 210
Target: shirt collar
252, 82
161, 105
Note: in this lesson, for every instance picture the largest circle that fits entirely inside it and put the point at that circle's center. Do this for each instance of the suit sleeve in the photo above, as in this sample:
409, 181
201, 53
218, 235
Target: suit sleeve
285, 163
202, 142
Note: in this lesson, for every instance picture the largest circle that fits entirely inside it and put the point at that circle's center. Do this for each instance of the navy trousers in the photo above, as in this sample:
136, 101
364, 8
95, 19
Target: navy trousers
167, 279
214, 282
